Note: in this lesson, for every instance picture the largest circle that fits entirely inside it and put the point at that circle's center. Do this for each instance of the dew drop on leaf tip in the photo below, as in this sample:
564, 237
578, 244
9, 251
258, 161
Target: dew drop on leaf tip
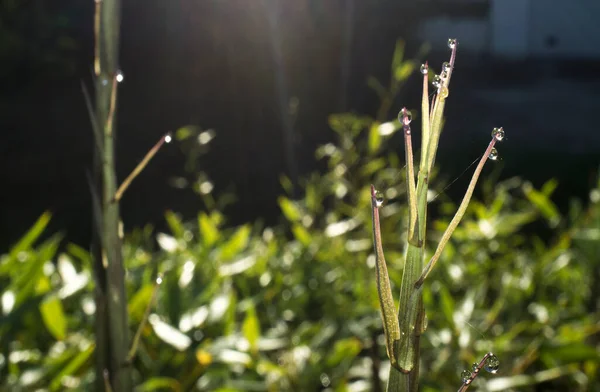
465, 376
378, 199
452, 42
498, 134
493, 154
405, 116
492, 364
424, 69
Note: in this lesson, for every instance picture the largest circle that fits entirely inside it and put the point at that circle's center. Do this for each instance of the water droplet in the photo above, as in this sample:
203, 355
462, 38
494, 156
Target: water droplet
159, 279
465, 376
168, 138
492, 364
474, 367
446, 67
493, 154
378, 199
444, 75
119, 77
405, 116
452, 42
498, 134
437, 81
444, 92
424, 69
105, 82
325, 380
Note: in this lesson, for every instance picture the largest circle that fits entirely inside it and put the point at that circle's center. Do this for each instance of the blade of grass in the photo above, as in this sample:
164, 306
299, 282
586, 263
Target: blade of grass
389, 317
458, 216
138, 334
438, 111
405, 119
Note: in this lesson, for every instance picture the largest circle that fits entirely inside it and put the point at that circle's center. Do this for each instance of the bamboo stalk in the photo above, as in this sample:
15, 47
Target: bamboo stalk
112, 322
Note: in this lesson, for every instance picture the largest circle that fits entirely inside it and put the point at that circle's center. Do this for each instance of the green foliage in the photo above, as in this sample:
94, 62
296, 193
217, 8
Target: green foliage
294, 307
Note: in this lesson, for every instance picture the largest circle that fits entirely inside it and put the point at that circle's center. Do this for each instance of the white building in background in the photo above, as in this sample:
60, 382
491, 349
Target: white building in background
521, 29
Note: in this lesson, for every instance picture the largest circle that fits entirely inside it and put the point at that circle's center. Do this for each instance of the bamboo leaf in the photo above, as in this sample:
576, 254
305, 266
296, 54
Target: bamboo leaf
398, 55
344, 350
169, 334
174, 224
546, 207
447, 304
251, 329
72, 367
159, 384
302, 235
27, 241
403, 72
289, 209
236, 243
374, 137
54, 317
208, 230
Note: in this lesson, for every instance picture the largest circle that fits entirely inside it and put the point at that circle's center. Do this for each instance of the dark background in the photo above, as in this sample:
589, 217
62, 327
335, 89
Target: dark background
215, 64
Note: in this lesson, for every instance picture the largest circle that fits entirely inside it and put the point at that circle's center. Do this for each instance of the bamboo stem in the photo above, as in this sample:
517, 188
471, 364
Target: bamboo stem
112, 322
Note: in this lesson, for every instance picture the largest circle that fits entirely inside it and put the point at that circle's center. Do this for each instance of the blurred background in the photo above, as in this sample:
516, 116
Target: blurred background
265, 76
252, 91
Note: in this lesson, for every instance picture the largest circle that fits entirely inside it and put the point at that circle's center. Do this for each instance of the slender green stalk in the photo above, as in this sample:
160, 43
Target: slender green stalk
425, 128
111, 322
405, 119
438, 111
458, 216
386, 299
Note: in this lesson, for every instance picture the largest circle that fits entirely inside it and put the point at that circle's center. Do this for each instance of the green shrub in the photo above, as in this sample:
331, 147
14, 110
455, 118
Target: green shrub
295, 307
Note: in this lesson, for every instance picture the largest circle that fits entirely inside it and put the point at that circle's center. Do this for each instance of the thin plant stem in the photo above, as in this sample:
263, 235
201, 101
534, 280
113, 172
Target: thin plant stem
97, 18
425, 123
112, 324
437, 113
410, 173
138, 334
475, 372
458, 216
140, 167
111, 107
389, 317
106, 377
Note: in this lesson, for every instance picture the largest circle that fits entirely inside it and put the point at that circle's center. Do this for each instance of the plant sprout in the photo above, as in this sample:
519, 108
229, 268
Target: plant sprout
403, 328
